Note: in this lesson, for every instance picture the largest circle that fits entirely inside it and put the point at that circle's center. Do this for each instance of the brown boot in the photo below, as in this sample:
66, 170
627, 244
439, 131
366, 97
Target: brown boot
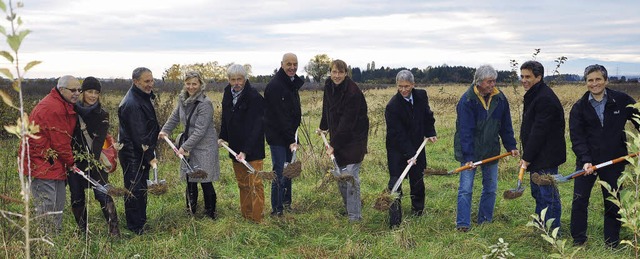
110, 214
80, 213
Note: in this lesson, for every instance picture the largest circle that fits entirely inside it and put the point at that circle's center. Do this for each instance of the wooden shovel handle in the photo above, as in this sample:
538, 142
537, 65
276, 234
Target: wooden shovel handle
465, 167
601, 165
521, 174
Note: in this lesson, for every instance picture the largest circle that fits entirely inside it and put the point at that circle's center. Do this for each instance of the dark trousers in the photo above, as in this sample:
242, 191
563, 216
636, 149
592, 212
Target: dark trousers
135, 205
208, 193
547, 196
581, 192
281, 186
417, 191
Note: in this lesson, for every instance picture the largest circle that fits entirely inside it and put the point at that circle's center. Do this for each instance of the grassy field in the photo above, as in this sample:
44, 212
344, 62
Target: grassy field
315, 228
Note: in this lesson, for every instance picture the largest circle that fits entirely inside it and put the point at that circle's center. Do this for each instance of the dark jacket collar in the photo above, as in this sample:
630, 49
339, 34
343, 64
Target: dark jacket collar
295, 84
141, 93
535, 89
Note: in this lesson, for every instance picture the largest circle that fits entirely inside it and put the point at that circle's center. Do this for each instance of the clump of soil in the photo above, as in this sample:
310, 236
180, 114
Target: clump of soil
543, 179
432, 171
292, 170
383, 202
269, 176
346, 178
512, 194
198, 173
157, 189
118, 192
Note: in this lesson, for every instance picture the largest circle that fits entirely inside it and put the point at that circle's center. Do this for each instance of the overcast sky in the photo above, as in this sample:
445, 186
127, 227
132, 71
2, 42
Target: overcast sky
108, 39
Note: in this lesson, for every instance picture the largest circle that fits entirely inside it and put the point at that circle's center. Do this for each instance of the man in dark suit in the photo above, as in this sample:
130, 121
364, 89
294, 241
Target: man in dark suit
409, 121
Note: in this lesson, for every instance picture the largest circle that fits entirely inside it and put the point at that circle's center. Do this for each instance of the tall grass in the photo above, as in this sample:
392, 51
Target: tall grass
315, 228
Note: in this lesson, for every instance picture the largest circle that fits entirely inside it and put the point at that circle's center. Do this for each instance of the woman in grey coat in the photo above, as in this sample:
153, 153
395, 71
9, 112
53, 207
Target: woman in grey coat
198, 142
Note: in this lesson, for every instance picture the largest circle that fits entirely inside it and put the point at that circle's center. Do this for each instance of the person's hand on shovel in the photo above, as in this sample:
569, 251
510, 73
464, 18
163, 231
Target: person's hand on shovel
515, 153
293, 147
587, 169
221, 141
524, 164
241, 156
162, 135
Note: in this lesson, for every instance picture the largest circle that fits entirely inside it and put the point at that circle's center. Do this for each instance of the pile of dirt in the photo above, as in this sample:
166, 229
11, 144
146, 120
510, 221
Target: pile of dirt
118, 192
384, 201
269, 176
292, 170
543, 179
157, 189
199, 174
433, 171
511, 194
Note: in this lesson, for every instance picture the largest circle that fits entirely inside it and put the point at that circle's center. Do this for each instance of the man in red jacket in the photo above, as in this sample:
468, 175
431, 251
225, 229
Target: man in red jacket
50, 154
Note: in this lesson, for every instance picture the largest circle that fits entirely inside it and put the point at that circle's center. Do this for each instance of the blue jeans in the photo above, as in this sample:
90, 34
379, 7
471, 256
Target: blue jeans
487, 200
547, 196
281, 186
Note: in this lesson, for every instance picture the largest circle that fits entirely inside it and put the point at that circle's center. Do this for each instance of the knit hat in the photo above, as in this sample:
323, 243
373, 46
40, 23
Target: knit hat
91, 83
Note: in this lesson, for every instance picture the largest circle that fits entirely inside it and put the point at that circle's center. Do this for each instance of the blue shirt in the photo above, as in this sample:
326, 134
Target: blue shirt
599, 106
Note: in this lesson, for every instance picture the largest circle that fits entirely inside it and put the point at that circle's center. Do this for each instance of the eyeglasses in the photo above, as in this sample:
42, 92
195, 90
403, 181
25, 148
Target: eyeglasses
73, 90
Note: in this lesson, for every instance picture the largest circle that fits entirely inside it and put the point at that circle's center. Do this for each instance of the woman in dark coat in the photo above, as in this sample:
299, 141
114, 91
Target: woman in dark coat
89, 135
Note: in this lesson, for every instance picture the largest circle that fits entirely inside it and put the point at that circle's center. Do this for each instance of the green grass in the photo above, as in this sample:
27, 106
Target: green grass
315, 228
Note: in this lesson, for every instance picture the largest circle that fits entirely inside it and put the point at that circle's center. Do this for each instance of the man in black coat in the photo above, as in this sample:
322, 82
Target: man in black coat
596, 123
542, 137
138, 133
282, 118
242, 128
409, 121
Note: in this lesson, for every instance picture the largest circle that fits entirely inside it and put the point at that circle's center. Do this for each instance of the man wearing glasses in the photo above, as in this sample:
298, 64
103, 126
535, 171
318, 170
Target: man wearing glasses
50, 154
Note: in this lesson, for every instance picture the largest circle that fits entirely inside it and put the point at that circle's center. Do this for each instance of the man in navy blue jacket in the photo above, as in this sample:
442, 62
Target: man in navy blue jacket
409, 121
483, 118
597, 123
282, 118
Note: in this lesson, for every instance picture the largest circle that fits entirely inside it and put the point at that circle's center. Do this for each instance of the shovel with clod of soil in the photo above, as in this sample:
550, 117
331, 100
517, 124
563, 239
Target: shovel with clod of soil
519, 190
106, 189
335, 171
546, 179
384, 201
155, 186
262, 174
293, 168
191, 172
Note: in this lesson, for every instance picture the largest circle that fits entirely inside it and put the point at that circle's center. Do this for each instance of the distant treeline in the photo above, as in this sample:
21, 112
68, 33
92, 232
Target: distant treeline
371, 78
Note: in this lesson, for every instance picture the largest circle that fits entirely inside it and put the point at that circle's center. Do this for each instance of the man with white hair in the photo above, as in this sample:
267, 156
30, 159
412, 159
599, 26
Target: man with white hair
50, 155
483, 119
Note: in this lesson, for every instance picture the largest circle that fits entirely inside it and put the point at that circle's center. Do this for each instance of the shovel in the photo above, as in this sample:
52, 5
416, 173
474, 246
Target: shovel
336, 169
384, 201
562, 179
262, 174
466, 167
292, 169
106, 189
517, 192
156, 186
199, 173
406, 169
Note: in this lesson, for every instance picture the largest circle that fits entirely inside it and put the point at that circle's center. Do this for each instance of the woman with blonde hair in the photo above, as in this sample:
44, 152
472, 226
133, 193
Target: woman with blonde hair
195, 112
